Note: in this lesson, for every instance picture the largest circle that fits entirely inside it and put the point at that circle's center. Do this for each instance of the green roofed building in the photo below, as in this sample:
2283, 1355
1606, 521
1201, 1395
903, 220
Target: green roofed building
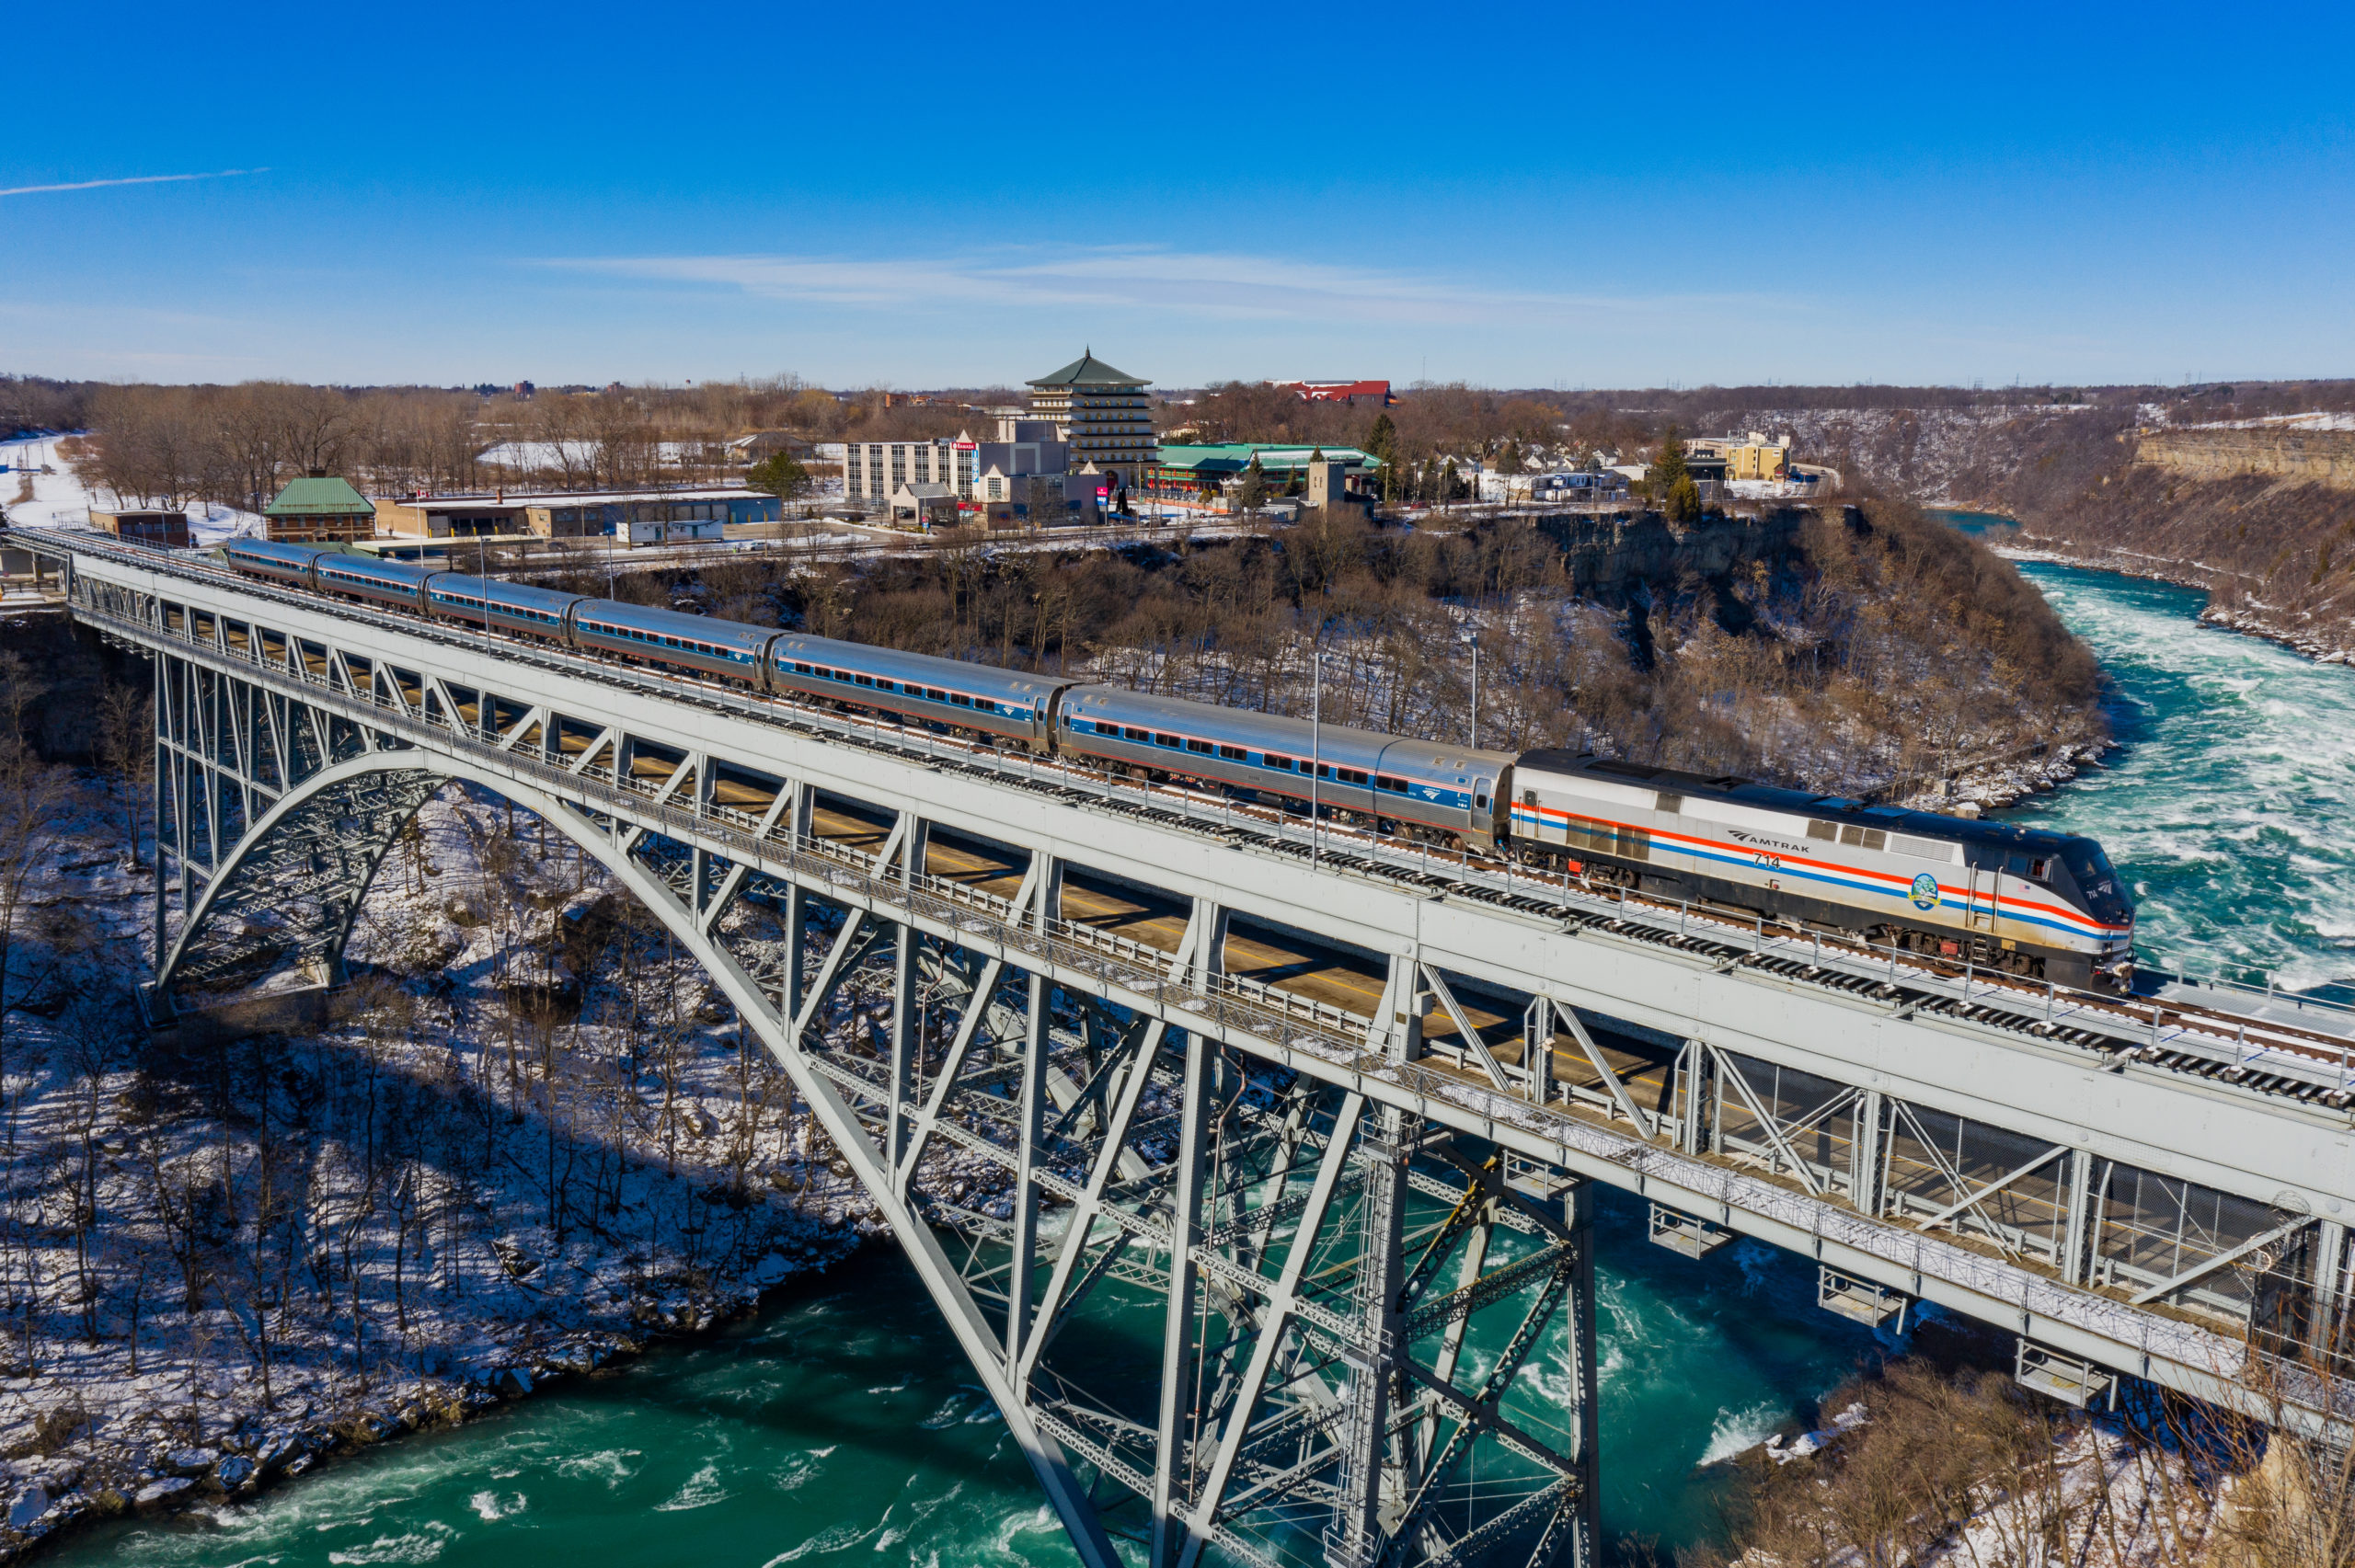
1203, 473
316, 510
1103, 414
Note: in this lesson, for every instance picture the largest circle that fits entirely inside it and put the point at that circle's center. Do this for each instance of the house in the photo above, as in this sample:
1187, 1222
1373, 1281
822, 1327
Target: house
316, 510
163, 530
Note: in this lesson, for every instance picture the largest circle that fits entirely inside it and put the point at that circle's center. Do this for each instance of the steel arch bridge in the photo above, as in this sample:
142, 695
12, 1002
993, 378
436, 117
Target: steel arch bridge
1331, 1124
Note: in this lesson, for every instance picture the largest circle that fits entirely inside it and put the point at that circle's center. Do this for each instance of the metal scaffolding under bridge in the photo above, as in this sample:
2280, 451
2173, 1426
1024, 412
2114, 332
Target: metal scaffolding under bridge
1330, 1123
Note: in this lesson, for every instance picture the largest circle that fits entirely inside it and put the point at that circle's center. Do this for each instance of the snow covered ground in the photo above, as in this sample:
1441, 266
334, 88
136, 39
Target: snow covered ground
39, 490
530, 1138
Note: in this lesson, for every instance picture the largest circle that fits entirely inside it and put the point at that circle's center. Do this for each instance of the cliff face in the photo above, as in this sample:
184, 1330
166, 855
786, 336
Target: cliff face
2322, 456
1605, 558
2276, 554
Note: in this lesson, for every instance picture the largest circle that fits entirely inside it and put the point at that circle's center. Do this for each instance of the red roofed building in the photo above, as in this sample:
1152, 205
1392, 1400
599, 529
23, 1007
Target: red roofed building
1374, 392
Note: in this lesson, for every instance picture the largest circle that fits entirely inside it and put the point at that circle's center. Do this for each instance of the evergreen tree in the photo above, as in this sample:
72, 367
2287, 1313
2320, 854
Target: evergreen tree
1668, 464
1251, 491
779, 475
1381, 444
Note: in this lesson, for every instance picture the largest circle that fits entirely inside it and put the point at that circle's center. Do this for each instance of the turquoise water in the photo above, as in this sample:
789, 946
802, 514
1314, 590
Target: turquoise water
842, 1427
839, 1427
2229, 804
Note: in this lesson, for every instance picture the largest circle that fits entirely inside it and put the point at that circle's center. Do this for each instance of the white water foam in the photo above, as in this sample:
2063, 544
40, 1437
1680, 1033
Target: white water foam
2231, 809
1739, 1431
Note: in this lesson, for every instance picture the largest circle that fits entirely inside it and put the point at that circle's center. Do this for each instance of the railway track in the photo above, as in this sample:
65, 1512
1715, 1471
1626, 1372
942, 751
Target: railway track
2311, 1065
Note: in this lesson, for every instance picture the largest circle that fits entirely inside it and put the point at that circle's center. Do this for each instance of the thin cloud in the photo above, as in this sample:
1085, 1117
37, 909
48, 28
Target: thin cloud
128, 180
1219, 284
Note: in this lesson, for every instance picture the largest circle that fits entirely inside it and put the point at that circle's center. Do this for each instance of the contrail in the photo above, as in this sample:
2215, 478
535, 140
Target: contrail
133, 179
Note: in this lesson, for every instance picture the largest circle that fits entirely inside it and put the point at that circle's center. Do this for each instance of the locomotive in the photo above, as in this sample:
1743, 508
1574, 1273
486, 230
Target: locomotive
2024, 899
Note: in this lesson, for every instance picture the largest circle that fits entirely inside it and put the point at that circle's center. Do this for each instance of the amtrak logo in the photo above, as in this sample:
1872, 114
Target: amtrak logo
1924, 892
1761, 840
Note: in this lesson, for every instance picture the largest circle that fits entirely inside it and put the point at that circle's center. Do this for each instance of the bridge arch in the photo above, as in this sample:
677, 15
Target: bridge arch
281, 854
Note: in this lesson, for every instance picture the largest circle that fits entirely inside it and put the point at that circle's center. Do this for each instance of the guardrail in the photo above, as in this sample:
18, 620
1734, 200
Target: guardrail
1297, 1030
2122, 1023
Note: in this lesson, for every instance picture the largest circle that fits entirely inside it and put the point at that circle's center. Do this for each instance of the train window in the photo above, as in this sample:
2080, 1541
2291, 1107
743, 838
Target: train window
863, 680
936, 694
1133, 733
1233, 753
1529, 797
2040, 868
1817, 830
1202, 745
960, 700
1161, 739
1395, 785
799, 668
1273, 760
1354, 776
1323, 770
1480, 801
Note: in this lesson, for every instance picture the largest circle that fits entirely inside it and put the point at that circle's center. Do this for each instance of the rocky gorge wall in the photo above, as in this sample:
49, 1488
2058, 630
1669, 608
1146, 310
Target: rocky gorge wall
1604, 558
2325, 457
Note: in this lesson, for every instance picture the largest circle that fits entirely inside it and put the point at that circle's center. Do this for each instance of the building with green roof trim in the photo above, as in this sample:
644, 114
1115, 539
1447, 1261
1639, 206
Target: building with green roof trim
1102, 413
318, 509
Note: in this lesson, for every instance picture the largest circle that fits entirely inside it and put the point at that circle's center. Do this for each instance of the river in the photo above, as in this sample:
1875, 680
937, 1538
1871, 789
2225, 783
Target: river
839, 1425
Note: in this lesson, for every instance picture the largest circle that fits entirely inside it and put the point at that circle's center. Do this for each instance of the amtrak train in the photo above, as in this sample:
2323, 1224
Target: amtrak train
2034, 902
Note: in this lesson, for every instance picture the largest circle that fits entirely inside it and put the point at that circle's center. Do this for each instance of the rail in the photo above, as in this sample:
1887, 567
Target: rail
2263, 1054
1296, 1029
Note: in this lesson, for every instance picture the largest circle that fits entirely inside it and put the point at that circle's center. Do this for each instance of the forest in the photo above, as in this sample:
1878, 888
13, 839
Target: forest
1880, 646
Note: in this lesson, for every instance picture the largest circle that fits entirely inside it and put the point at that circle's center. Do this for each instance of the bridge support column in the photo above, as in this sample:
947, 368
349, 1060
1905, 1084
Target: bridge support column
1864, 1153
2076, 1241
2329, 1282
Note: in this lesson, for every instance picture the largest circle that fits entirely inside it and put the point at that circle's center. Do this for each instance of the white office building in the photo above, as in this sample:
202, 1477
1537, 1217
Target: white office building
874, 471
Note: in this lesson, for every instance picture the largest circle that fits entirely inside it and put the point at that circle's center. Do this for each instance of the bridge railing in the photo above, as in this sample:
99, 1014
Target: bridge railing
1289, 1027
2145, 1026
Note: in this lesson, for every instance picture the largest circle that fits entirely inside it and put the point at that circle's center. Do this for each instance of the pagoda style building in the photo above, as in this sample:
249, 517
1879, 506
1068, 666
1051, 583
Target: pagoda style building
1103, 414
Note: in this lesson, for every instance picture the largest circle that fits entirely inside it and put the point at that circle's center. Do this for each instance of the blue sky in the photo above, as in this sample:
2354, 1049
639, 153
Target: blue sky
914, 195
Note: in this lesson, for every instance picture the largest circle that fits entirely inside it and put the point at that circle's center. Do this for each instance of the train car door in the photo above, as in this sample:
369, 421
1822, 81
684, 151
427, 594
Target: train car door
1985, 887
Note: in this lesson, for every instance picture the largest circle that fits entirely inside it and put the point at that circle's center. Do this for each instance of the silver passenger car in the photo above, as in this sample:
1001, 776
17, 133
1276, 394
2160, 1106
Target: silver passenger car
279, 563
1451, 789
364, 577
942, 691
726, 648
503, 606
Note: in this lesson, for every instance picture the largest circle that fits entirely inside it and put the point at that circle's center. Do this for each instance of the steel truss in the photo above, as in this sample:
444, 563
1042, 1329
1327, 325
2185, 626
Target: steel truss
1374, 1338
2112, 1214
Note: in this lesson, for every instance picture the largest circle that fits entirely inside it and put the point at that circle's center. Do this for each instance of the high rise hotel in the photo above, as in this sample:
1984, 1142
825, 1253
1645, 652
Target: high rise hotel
1104, 415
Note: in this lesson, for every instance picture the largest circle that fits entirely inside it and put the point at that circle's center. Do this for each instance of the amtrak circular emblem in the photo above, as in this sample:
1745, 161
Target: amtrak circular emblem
1924, 892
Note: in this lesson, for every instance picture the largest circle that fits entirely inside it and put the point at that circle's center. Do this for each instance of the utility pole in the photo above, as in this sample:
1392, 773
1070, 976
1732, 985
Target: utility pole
1316, 739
